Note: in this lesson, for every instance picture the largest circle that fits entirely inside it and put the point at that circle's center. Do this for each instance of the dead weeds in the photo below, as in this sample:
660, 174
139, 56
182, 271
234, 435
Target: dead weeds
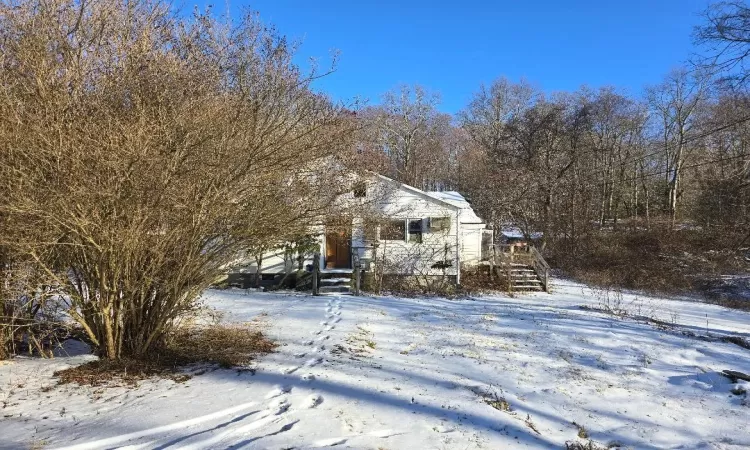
223, 345
658, 261
123, 372
586, 445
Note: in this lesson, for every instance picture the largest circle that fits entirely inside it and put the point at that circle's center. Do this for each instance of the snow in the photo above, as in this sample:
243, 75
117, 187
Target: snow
391, 372
337, 280
466, 214
517, 233
349, 271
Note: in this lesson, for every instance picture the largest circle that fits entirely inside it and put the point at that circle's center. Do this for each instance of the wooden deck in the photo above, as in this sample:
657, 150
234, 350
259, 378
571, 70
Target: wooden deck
523, 267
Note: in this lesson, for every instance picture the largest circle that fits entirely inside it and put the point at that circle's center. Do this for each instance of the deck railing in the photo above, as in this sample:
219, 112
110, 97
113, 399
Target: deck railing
541, 267
507, 255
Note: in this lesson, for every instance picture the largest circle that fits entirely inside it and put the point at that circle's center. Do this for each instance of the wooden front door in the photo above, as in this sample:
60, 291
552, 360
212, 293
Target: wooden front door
338, 250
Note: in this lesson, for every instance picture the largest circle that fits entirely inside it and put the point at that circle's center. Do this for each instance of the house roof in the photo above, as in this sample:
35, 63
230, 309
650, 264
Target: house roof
418, 192
516, 233
451, 199
466, 214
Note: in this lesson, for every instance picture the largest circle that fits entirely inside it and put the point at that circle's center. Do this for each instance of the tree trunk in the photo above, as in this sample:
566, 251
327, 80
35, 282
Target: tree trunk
259, 264
634, 206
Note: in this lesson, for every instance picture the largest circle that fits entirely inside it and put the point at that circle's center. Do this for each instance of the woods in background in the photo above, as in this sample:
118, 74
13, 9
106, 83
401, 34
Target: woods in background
571, 163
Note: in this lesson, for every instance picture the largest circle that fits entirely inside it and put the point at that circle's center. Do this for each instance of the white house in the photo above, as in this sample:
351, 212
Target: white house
396, 228
472, 228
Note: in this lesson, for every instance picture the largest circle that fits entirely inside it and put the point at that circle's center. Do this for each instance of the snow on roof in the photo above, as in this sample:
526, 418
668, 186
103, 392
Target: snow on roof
467, 214
516, 233
412, 189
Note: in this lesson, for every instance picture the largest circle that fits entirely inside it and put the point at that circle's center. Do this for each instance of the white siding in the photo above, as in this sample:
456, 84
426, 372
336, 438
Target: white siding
409, 258
458, 245
471, 243
471, 227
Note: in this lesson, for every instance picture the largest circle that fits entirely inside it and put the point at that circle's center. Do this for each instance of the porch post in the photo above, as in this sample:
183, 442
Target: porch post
357, 271
315, 273
458, 249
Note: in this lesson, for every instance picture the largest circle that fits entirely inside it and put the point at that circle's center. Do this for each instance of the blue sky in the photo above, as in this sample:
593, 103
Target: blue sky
453, 46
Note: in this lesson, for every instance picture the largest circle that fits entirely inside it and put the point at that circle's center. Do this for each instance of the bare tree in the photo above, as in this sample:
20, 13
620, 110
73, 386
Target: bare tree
144, 150
492, 108
726, 38
616, 125
488, 167
723, 198
409, 131
676, 103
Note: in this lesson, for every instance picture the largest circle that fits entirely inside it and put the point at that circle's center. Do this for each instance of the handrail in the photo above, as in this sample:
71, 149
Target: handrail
528, 255
538, 256
541, 267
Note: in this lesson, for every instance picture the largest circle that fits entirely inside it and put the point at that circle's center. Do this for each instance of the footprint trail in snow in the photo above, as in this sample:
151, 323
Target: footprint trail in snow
280, 408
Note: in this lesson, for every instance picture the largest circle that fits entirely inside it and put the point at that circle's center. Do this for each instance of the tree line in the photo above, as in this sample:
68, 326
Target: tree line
571, 163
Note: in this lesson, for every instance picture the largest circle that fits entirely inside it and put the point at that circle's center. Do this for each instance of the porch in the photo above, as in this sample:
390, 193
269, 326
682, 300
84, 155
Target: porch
521, 266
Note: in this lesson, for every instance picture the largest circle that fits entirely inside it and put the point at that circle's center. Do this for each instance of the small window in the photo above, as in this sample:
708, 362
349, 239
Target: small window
440, 223
393, 230
415, 231
370, 230
360, 190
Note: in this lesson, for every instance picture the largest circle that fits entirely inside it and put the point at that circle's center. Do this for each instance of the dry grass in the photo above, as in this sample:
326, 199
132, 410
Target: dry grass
736, 340
657, 261
410, 285
478, 280
499, 403
734, 303
588, 445
223, 345
582, 432
123, 372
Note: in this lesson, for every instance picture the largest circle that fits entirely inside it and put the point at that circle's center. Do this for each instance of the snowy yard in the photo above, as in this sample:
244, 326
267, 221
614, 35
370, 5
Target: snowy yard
391, 373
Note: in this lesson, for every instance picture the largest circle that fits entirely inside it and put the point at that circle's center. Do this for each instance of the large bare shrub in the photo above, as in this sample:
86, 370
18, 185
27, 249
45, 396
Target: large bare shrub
142, 150
29, 309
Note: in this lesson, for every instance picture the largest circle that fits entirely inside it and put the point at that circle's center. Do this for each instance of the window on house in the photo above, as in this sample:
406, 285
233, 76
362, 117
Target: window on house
393, 230
415, 231
369, 230
360, 189
440, 223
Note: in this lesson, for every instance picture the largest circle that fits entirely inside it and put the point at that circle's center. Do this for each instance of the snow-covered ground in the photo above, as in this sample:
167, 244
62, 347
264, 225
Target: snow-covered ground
390, 373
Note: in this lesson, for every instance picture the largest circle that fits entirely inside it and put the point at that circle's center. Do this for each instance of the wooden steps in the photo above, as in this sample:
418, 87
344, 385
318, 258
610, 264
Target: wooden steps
523, 277
338, 281
521, 268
